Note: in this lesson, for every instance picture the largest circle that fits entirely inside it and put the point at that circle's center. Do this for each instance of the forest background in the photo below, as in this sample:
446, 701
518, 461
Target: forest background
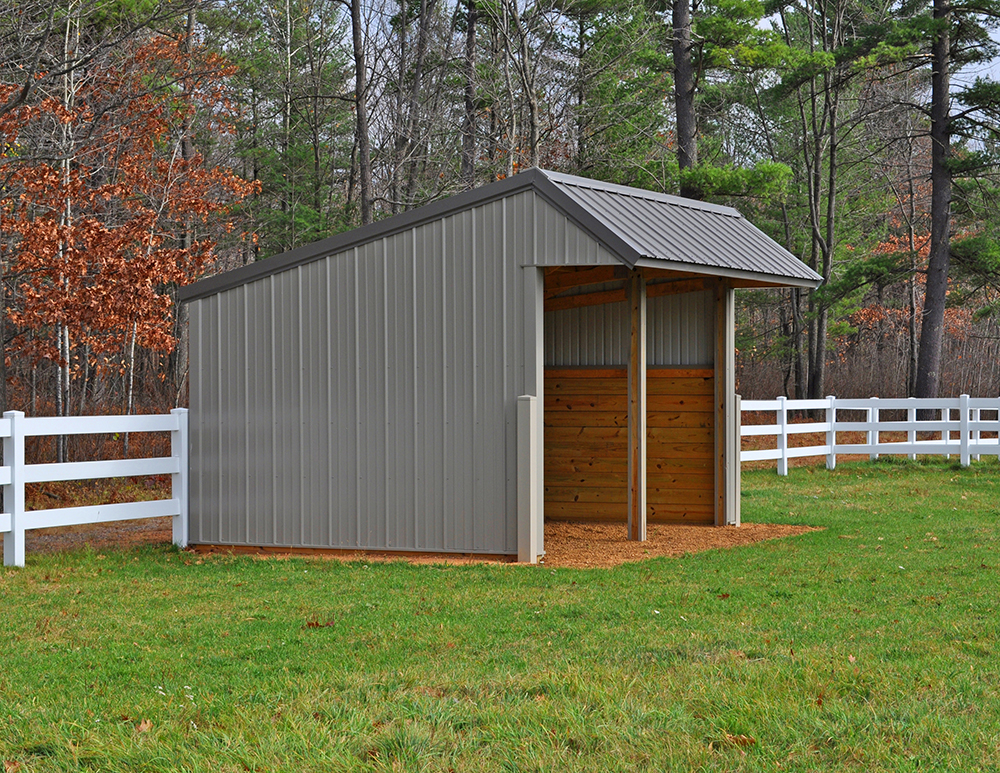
144, 145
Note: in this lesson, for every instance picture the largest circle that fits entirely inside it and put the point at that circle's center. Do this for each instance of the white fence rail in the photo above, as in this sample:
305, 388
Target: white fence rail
15, 473
960, 428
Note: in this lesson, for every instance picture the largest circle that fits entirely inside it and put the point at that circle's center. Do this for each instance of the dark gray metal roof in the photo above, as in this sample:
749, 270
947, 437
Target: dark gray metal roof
640, 227
686, 234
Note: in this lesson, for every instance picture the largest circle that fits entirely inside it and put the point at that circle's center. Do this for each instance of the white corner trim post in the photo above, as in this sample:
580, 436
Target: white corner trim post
179, 481
13, 492
527, 479
533, 385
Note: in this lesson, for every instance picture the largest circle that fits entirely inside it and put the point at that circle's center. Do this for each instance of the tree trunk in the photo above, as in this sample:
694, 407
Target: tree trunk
469, 125
936, 290
413, 109
361, 113
180, 355
684, 88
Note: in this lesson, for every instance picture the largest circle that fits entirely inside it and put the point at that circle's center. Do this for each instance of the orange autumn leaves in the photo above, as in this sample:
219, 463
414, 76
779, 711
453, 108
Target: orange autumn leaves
102, 213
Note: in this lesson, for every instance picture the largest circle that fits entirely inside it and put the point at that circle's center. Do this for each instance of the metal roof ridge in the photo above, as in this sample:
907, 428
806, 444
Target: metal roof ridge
561, 178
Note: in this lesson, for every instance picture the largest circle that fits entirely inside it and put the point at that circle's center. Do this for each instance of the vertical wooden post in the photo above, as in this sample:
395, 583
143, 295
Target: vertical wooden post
13, 491
637, 406
727, 490
179, 480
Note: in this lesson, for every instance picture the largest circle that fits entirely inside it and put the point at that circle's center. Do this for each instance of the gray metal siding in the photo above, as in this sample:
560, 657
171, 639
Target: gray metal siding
595, 336
368, 399
679, 332
681, 329
543, 236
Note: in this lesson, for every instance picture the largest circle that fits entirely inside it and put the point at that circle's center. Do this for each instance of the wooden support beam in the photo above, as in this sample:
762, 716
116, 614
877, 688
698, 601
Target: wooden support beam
558, 282
677, 286
555, 302
585, 299
637, 406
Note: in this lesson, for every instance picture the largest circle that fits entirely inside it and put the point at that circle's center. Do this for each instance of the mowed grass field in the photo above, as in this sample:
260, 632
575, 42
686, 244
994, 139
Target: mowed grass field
869, 646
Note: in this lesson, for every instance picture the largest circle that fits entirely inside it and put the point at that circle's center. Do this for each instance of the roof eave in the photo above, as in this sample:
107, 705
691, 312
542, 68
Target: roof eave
760, 279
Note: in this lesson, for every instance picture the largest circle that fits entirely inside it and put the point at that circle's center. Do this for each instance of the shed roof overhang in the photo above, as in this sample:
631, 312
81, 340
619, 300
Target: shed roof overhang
642, 229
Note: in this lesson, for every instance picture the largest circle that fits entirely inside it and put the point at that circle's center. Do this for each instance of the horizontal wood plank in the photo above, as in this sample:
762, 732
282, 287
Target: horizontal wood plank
575, 372
690, 481
594, 419
663, 372
612, 402
663, 496
583, 462
664, 419
680, 465
617, 513
680, 386
654, 419
660, 435
586, 386
559, 281
678, 286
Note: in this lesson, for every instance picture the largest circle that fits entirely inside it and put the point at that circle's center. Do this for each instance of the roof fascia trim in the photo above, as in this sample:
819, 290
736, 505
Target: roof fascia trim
347, 240
774, 280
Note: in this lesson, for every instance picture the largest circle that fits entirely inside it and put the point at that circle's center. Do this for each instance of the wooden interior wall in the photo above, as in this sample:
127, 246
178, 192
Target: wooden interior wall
586, 436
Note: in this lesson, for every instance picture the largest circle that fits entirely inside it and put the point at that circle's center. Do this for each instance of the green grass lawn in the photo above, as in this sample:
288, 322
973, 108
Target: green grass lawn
869, 646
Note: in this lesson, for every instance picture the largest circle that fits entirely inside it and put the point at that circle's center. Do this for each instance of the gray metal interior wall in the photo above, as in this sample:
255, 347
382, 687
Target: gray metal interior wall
680, 331
368, 399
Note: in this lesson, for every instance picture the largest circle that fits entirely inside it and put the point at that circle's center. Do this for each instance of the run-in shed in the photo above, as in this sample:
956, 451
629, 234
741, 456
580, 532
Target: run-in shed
374, 390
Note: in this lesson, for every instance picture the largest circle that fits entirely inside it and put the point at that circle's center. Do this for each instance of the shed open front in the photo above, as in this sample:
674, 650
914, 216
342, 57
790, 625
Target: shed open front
615, 452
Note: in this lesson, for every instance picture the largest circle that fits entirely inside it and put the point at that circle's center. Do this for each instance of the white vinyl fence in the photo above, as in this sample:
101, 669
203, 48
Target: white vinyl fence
966, 426
14, 474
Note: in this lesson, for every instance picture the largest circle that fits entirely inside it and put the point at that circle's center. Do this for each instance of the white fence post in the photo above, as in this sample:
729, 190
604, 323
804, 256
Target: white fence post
911, 434
963, 430
527, 479
946, 433
13, 492
975, 433
873, 433
831, 434
782, 436
179, 480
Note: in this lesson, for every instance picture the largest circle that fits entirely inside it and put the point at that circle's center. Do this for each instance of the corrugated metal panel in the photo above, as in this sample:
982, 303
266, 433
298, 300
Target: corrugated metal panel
555, 240
679, 331
596, 336
670, 228
367, 400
